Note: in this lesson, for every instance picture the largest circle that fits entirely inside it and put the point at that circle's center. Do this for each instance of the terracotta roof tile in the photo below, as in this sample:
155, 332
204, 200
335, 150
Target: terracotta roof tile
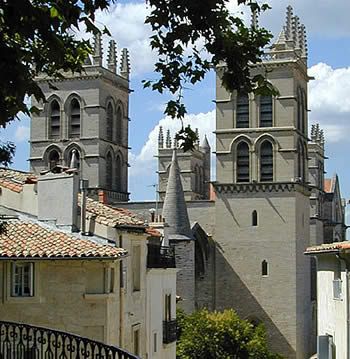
22, 239
328, 247
14, 180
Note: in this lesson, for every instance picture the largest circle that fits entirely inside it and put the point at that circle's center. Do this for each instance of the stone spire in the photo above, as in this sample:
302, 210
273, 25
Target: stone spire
176, 144
302, 41
160, 137
295, 31
98, 52
112, 57
205, 143
125, 64
254, 19
168, 139
174, 207
289, 22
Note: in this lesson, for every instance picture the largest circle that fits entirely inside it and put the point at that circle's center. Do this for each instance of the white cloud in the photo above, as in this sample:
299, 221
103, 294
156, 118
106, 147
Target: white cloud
329, 101
22, 133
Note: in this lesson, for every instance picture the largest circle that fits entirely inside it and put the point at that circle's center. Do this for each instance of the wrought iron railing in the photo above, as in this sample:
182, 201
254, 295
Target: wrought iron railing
160, 256
23, 341
169, 331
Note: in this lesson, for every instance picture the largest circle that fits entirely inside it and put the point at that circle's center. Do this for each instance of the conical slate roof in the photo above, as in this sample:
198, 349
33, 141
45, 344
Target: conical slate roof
205, 143
174, 208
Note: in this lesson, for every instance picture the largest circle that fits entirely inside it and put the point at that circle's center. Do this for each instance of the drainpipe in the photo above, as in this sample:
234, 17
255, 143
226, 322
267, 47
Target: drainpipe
84, 184
121, 297
347, 266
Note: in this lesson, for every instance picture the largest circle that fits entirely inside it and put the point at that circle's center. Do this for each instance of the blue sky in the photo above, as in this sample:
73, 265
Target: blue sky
328, 32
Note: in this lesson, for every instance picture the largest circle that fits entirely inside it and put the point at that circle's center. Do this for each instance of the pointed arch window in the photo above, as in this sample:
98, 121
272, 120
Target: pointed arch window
242, 111
109, 118
254, 218
118, 174
55, 120
242, 162
54, 159
119, 126
264, 268
74, 125
266, 161
265, 111
109, 171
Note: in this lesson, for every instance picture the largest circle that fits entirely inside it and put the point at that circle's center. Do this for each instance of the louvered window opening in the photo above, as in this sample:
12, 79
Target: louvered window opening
75, 119
109, 127
265, 111
242, 111
243, 162
119, 119
55, 120
266, 162
118, 174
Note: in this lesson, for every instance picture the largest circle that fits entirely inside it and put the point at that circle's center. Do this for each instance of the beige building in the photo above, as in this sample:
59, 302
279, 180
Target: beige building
95, 278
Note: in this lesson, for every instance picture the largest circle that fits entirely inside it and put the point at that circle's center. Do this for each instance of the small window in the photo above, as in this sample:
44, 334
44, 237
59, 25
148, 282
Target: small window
55, 120
109, 118
167, 307
54, 159
266, 162
155, 342
242, 111
264, 268
265, 111
242, 162
136, 272
74, 118
254, 218
136, 341
22, 280
111, 280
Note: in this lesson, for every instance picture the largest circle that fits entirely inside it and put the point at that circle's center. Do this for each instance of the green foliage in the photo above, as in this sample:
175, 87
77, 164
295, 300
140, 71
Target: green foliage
209, 335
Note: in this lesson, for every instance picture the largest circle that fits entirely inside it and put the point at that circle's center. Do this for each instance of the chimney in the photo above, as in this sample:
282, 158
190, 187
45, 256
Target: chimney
102, 196
58, 198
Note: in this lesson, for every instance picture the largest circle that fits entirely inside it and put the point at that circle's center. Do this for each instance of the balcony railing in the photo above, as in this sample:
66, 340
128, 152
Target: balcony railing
160, 257
22, 341
169, 331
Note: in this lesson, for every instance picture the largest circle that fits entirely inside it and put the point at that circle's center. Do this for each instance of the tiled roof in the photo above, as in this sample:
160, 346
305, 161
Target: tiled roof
24, 239
329, 247
14, 180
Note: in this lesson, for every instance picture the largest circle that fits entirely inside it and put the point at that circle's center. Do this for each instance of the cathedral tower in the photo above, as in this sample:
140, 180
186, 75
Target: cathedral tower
86, 115
194, 167
262, 197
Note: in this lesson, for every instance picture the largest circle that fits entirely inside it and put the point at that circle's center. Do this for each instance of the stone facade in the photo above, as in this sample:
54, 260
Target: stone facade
87, 114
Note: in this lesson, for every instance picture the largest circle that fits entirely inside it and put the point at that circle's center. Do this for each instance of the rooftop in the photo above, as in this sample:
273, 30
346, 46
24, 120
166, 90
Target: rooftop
329, 247
14, 180
30, 240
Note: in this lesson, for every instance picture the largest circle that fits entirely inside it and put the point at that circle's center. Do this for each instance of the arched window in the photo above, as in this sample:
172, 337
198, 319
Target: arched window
109, 171
242, 162
74, 159
54, 159
301, 162
266, 161
242, 111
264, 268
119, 126
74, 128
118, 174
254, 218
55, 120
109, 124
265, 111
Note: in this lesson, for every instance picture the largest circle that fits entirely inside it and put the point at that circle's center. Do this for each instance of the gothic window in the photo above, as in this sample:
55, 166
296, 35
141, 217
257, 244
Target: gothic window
300, 104
119, 126
265, 111
242, 111
254, 218
118, 174
74, 159
109, 170
54, 159
264, 268
266, 161
55, 120
242, 162
74, 125
109, 127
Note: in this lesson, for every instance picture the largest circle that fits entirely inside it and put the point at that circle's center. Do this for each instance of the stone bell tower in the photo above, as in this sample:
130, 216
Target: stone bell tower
262, 197
86, 117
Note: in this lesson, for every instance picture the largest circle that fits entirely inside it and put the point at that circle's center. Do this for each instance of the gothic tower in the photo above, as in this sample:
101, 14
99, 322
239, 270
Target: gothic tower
262, 197
194, 167
86, 117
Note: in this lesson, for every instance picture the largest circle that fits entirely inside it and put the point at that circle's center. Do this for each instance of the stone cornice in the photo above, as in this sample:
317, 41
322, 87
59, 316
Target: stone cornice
261, 187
